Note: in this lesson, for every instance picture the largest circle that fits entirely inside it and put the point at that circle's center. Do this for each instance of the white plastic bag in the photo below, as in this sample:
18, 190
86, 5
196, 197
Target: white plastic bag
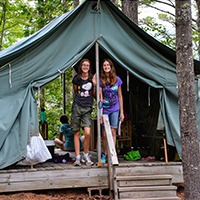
37, 151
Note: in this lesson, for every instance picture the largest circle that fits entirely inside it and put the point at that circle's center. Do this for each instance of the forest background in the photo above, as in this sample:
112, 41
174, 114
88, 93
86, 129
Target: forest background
21, 18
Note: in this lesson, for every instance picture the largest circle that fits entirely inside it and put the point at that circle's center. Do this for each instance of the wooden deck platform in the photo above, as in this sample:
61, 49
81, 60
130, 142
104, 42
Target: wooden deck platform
51, 175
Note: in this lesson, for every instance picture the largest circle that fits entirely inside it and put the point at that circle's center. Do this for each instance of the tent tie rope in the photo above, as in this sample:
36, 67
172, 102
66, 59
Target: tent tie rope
98, 6
10, 81
60, 71
127, 80
149, 97
39, 95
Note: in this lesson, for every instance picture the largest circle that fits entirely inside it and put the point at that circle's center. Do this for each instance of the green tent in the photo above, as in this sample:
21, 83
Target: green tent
39, 59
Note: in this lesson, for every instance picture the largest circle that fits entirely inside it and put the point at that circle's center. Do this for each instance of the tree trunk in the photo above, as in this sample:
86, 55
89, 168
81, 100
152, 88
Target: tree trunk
42, 91
130, 9
42, 99
198, 25
3, 20
187, 100
76, 3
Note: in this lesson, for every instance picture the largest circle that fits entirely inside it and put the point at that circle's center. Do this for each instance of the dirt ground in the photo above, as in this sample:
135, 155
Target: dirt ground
180, 192
68, 194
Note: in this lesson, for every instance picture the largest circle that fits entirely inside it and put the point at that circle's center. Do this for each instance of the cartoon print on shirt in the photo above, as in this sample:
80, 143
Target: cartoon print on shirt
86, 88
110, 99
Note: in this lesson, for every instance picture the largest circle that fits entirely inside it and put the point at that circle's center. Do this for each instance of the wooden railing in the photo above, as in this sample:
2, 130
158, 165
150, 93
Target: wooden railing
112, 157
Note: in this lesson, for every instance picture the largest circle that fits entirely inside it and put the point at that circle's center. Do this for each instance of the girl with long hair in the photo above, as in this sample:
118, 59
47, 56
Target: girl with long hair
111, 96
84, 84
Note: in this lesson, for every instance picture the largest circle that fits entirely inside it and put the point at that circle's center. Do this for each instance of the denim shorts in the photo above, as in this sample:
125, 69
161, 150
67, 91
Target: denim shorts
113, 119
81, 117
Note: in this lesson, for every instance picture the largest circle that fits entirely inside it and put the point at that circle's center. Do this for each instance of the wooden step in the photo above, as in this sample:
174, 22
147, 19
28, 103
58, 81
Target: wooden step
155, 198
149, 191
144, 180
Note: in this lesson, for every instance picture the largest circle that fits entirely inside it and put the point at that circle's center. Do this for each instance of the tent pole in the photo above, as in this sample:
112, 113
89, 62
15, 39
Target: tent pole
98, 111
64, 100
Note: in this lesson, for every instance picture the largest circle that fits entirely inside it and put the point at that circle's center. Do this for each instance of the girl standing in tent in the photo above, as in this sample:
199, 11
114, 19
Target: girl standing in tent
84, 88
111, 96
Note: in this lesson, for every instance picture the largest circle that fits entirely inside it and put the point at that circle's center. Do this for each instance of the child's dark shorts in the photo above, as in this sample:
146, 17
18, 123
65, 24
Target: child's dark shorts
81, 117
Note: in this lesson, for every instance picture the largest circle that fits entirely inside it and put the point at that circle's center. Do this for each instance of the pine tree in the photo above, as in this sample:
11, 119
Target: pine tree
187, 100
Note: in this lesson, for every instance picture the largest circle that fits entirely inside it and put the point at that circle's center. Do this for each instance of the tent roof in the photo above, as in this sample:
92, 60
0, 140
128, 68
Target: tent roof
19, 48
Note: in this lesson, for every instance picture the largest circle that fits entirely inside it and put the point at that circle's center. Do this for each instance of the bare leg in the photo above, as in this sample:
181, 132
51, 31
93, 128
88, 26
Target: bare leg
104, 142
59, 143
83, 139
77, 142
114, 135
86, 140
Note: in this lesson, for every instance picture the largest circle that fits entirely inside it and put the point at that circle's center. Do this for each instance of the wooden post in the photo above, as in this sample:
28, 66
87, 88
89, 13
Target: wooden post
115, 183
98, 111
165, 147
43, 127
64, 100
110, 173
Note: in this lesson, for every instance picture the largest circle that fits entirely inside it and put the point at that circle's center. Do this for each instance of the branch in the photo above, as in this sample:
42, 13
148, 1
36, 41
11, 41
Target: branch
3, 4
172, 5
164, 33
167, 12
161, 10
11, 26
196, 29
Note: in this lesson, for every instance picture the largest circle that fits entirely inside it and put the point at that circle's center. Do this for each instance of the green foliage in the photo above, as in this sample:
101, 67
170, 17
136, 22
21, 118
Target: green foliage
196, 39
158, 31
146, 2
166, 18
14, 15
54, 102
45, 11
25, 17
162, 32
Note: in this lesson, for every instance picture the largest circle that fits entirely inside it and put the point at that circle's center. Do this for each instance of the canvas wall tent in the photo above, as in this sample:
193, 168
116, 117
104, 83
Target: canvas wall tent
37, 60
